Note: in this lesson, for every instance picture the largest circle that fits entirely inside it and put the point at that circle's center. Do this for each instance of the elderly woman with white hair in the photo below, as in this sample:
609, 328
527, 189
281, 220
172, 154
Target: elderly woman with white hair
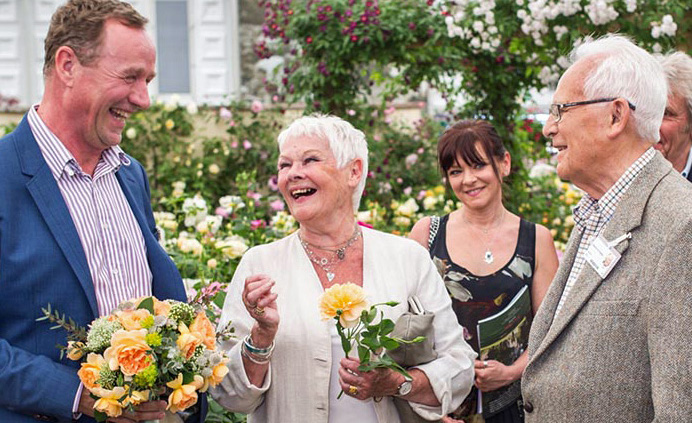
286, 363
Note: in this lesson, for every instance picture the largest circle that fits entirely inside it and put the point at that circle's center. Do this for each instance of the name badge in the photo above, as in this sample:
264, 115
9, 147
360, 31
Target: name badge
602, 256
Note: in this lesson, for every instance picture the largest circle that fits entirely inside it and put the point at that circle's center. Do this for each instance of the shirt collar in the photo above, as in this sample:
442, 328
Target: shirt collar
606, 205
59, 158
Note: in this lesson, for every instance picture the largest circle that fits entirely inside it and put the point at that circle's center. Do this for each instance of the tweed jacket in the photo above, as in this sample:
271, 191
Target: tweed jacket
620, 349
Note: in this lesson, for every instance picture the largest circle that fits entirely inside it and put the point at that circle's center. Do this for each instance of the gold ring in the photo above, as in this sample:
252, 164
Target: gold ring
353, 390
485, 364
258, 310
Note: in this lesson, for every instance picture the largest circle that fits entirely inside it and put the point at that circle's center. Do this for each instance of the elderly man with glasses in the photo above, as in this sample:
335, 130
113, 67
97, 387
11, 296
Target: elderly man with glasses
610, 342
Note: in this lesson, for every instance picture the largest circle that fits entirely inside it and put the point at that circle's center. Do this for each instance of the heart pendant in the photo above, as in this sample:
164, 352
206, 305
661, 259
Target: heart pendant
330, 276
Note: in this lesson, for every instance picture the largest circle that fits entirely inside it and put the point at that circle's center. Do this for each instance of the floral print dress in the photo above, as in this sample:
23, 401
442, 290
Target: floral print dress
477, 297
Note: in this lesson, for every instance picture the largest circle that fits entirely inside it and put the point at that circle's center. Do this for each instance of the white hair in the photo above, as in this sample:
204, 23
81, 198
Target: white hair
346, 142
622, 69
678, 69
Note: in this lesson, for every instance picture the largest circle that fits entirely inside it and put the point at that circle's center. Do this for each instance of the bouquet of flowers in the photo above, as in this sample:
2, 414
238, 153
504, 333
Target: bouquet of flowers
143, 349
356, 325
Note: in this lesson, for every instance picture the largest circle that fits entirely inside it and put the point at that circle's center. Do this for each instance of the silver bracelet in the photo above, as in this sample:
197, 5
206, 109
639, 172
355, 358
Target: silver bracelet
257, 351
250, 357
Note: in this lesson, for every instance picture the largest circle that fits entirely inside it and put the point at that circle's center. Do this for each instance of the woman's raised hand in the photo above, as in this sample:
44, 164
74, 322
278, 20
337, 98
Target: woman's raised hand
260, 302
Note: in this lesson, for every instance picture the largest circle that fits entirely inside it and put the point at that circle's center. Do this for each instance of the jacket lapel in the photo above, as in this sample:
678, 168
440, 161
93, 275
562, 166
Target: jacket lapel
50, 203
627, 218
544, 317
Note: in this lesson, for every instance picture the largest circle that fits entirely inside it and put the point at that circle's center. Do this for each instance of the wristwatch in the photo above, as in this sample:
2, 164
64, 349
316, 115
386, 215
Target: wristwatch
405, 387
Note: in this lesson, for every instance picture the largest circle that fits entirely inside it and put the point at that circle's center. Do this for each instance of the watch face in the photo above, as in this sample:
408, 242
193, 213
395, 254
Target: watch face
405, 387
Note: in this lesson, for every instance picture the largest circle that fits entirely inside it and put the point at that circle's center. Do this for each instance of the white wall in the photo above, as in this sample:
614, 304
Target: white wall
213, 48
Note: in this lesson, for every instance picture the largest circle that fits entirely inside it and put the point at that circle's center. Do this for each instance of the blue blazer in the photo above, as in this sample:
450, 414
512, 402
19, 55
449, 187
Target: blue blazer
42, 262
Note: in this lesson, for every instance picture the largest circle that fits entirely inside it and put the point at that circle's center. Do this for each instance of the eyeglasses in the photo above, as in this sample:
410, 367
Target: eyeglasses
556, 109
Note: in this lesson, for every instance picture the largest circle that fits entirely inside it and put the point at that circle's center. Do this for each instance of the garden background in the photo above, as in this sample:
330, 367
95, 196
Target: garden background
213, 169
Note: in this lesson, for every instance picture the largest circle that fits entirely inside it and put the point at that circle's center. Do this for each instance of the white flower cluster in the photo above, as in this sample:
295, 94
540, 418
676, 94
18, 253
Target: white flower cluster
537, 14
233, 246
483, 35
283, 222
195, 210
601, 12
231, 203
667, 27
475, 21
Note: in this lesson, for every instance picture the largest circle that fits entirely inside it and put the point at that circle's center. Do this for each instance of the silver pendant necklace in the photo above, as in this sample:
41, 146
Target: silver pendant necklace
337, 254
488, 256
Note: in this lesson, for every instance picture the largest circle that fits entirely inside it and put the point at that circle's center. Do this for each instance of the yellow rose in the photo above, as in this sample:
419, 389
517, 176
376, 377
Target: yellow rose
90, 370
108, 401
132, 319
183, 396
349, 298
128, 351
204, 330
187, 341
75, 350
170, 124
217, 375
138, 397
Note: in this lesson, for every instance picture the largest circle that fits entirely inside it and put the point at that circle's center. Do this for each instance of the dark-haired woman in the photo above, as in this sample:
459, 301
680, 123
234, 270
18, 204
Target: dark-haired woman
485, 253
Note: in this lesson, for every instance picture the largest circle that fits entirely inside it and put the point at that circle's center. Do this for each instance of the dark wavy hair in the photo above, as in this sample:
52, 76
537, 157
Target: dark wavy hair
459, 140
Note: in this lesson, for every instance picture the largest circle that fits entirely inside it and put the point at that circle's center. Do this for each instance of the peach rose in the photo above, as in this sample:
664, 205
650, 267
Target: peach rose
90, 370
132, 319
128, 351
183, 396
108, 401
204, 329
188, 341
161, 308
349, 298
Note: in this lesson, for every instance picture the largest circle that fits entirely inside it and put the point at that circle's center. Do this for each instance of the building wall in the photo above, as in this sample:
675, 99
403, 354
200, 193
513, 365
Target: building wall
212, 48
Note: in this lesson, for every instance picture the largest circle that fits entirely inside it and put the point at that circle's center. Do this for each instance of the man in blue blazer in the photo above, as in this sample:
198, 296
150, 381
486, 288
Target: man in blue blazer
676, 129
99, 61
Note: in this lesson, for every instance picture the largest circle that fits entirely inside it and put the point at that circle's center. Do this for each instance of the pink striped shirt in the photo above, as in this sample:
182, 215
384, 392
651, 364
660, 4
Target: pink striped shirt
107, 228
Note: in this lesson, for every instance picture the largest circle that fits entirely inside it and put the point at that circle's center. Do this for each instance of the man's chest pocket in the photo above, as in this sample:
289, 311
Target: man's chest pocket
611, 308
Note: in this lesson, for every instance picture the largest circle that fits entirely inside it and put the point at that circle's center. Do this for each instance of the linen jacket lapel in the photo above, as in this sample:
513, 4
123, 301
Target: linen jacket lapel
45, 192
628, 216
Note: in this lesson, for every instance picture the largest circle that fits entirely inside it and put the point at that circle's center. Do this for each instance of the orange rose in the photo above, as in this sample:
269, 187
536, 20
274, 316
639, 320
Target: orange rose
90, 370
348, 298
204, 329
108, 401
161, 308
132, 319
187, 341
128, 351
183, 396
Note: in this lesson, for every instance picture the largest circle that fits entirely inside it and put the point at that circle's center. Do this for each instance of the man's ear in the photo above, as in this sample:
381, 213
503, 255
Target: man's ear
66, 64
619, 116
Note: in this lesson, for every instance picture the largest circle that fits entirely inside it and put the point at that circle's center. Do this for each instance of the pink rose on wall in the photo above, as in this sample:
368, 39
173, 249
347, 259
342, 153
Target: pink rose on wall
256, 106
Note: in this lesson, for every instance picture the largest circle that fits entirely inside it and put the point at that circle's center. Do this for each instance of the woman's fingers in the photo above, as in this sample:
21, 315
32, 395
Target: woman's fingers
257, 287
